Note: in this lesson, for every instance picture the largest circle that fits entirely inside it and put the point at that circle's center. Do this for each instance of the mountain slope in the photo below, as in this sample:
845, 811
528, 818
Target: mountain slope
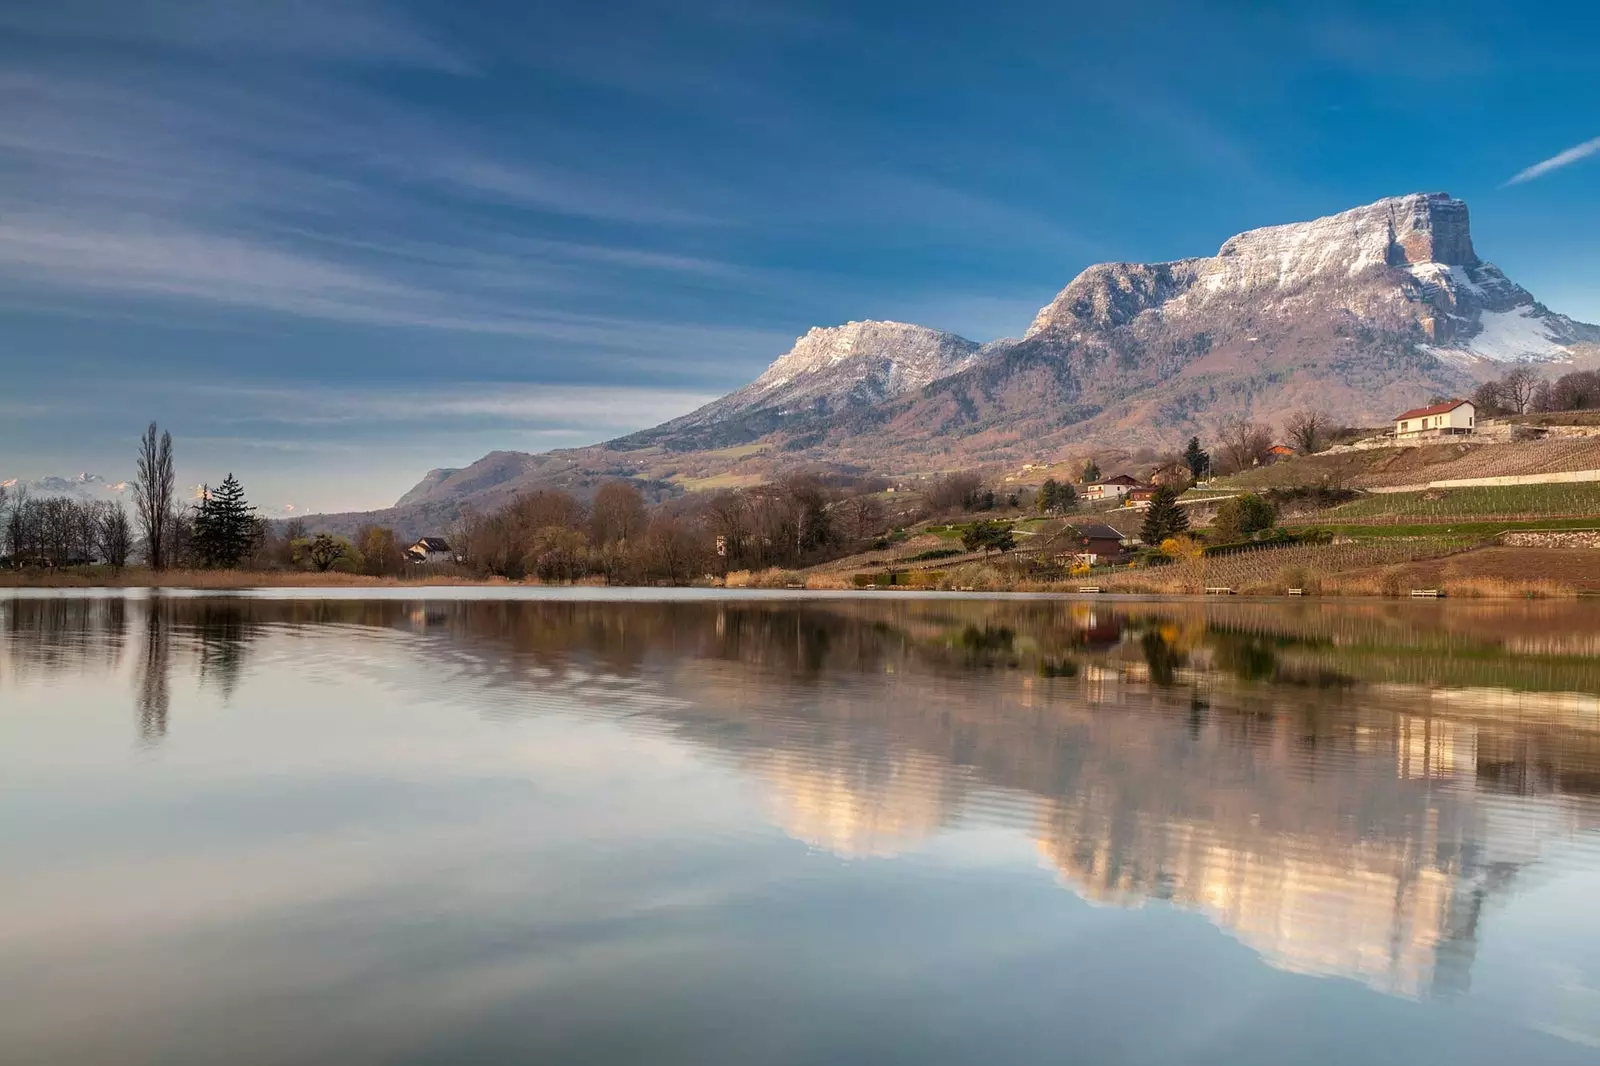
829, 371
1361, 314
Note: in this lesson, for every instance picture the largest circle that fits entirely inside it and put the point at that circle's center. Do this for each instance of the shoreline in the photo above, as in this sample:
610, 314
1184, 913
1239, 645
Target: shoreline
794, 585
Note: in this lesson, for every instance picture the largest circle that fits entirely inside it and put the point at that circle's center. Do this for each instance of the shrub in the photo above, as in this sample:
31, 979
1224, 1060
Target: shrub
1239, 517
1182, 547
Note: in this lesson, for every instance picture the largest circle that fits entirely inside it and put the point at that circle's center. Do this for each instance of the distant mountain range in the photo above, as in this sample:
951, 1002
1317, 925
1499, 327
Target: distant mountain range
1362, 314
79, 487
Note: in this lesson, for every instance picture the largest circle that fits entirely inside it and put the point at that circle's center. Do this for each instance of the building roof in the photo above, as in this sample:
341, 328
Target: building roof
1098, 531
1284, 449
1437, 409
1120, 479
433, 544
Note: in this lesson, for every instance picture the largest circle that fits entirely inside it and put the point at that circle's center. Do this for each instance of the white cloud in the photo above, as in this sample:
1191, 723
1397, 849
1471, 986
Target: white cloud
555, 408
1563, 159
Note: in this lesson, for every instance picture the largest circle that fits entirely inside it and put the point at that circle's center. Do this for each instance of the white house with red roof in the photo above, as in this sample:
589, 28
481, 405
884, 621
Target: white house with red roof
1112, 488
1448, 419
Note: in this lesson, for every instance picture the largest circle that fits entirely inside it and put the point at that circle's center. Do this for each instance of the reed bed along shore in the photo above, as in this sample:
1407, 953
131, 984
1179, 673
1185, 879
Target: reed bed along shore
1391, 569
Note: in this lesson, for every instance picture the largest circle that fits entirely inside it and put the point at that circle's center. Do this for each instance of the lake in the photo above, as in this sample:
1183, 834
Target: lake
453, 826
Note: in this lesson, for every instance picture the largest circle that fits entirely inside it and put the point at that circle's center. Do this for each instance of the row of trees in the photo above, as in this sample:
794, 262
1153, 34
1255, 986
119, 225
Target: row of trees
796, 521
219, 529
1523, 391
54, 531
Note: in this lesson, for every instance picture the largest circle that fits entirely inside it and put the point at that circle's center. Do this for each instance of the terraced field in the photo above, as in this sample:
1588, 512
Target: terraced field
1478, 504
1348, 568
1415, 466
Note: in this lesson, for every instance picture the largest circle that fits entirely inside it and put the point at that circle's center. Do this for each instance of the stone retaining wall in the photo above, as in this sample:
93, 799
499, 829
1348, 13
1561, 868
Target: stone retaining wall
1552, 538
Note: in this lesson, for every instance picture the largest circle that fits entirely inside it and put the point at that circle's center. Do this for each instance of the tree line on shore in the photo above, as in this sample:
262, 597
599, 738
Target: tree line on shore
797, 520
217, 529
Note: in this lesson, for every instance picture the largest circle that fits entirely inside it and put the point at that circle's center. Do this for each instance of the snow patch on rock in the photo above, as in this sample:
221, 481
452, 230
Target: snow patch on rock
1519, 335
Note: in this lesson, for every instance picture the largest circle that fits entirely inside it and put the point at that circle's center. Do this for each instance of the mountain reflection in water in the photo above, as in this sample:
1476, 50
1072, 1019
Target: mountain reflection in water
1347, 789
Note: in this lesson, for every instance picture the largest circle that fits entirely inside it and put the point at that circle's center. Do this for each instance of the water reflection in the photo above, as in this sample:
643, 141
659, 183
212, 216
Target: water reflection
1346, 789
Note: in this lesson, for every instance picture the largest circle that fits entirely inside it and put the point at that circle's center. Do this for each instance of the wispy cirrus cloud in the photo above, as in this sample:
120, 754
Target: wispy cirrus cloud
1575, 154
321, 202
549, 409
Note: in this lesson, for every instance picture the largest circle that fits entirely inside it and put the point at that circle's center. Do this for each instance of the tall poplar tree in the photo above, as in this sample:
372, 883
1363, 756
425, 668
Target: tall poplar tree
153, 487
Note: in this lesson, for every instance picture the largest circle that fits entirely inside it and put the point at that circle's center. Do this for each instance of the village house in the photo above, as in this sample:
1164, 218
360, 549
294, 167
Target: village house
1112, 488
1449, 419
431, 550
1142, 494
1175, 474
1279, 452
1097, 542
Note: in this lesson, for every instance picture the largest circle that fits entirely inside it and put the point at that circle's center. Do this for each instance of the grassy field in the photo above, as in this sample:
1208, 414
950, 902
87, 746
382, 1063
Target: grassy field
717, 481
1477, 504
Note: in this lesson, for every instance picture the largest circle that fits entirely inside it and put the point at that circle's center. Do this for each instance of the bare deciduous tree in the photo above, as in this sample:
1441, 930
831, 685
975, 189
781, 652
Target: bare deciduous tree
672, 552
958, 491
1244, 443
1517, 389
618, 513
115, 535
153, 487
861, 516
1307, 429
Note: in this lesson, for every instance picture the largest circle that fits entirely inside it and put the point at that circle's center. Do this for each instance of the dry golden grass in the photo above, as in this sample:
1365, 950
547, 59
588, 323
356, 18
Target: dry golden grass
773, 578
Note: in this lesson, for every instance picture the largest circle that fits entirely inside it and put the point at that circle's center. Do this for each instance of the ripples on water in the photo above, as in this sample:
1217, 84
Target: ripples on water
792, 830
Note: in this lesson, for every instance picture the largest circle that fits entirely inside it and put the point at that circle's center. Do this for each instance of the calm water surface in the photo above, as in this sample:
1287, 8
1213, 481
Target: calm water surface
716, 829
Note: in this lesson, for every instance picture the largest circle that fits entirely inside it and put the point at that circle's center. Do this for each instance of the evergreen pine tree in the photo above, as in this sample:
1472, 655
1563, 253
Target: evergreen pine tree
233, 522
1164, 518
1196, 458
1047, 496
203, 530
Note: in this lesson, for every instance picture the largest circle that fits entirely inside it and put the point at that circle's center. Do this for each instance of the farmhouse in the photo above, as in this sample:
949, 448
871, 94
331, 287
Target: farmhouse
1097, 540
431, 550
1448, 419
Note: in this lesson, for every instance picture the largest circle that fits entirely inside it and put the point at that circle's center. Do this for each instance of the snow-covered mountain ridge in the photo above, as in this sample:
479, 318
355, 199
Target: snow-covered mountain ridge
1408, 255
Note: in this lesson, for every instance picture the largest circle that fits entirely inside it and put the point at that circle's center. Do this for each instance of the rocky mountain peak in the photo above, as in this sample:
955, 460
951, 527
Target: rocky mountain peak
832, 368
910, 355
1407, 260
1419, 228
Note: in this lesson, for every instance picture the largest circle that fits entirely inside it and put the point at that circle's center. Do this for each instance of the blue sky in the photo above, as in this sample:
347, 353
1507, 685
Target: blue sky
334, 243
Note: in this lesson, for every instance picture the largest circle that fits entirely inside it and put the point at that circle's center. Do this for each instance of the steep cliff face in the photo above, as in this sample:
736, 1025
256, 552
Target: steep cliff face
1406, 263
